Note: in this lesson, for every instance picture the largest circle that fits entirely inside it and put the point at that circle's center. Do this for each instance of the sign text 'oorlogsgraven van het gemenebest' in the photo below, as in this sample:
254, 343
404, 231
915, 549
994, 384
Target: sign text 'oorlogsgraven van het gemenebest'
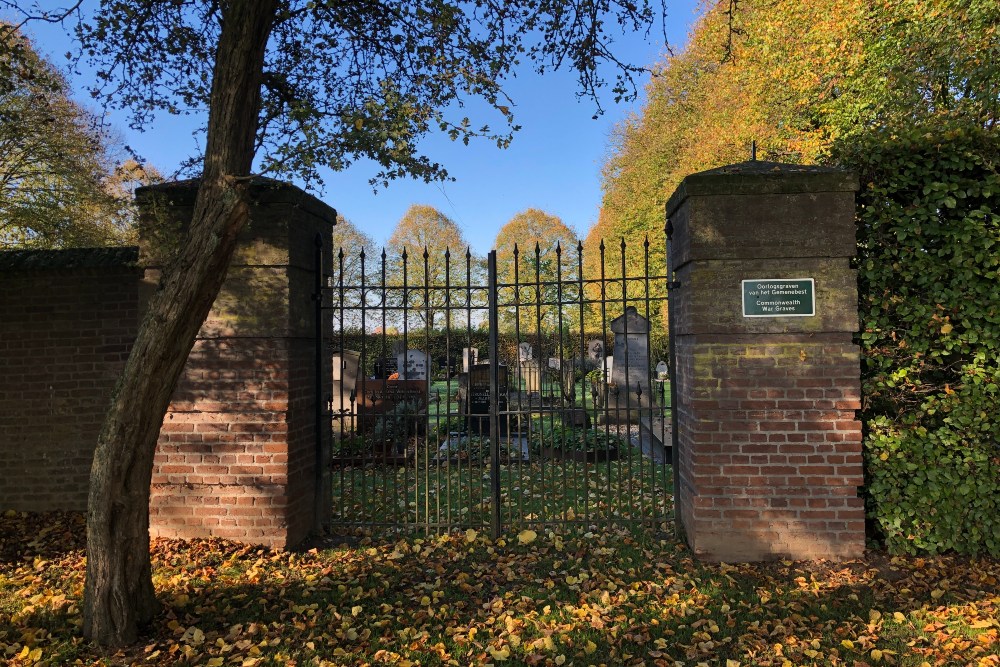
779, 297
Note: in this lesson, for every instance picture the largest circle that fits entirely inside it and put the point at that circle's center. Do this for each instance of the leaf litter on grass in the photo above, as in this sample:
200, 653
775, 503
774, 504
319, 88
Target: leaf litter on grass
615, 597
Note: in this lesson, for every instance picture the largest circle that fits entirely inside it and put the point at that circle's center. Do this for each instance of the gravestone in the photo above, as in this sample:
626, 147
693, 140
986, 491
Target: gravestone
567, 376
631, 352
414, 366
345, 380
532, 377
478, 410
470, 357
385, 367
525, 352
595, 353
555, 363
609, 366
662, 371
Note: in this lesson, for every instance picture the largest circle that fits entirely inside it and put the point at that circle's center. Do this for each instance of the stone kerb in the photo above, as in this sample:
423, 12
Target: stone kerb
769, 448
236, 456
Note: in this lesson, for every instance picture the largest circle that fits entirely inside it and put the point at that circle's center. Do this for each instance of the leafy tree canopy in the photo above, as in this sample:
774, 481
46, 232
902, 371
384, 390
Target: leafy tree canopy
58, 185
350, 80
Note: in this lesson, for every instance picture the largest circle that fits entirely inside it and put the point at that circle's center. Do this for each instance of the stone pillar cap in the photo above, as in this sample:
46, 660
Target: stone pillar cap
262, 188
759, 177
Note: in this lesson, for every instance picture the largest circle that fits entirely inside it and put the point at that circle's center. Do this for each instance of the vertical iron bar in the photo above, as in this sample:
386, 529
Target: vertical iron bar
583, 380
495, 526
468, 387
447, 387
652, 397
517, 384
672, 352
362, 298
319, 512
628, 387
428, 324
606, 379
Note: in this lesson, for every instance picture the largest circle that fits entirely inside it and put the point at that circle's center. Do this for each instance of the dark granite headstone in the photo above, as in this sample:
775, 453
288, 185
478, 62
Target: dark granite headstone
479, 399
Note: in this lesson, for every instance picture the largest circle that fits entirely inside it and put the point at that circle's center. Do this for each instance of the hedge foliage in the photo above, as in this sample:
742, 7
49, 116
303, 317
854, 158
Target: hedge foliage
929, 256
441, 345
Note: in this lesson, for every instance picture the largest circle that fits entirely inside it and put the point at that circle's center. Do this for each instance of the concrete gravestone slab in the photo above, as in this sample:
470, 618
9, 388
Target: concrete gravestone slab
631, 352
413, 366
595, 353
525, 352
345, 379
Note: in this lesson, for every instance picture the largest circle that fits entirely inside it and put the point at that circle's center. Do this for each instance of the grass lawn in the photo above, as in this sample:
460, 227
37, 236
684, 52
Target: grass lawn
613, 596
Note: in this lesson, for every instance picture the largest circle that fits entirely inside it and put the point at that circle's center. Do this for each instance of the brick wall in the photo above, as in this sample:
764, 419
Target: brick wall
768, 446
67, 322
236, 456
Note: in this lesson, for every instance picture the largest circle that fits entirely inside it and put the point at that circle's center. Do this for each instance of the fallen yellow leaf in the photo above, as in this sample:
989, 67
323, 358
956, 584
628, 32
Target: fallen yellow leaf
527, 536
470, 535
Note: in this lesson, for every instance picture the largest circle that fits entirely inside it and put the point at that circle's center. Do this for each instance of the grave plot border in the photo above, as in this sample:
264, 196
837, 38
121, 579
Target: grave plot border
536, 434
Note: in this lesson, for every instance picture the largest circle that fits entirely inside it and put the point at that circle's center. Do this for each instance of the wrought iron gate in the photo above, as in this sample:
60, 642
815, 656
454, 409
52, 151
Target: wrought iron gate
520, 391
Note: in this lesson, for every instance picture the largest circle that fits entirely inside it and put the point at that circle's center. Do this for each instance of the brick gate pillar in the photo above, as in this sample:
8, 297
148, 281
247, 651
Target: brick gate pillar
236, 456
767, 374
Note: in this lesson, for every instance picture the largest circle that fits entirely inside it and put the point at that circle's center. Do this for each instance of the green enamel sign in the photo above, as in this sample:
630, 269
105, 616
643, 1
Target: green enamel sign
779, 297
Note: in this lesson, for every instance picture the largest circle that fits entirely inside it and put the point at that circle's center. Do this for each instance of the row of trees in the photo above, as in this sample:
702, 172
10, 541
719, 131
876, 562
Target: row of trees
540, 262
64, 178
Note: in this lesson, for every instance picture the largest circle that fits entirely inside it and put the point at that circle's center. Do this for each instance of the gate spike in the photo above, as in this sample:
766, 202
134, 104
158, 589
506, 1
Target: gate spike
645, 243
447, 254
558, 249
383, 254
426, 254
362, 254
468, 252
340, 253
579, 246
404, 253
638, 389
623, 243
516, 251
602, 246
538, 249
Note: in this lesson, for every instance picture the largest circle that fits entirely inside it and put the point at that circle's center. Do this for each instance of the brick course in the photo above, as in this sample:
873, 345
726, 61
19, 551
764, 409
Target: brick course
67, 325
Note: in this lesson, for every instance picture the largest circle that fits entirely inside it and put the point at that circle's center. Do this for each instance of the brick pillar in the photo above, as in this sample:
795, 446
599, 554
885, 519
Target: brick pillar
237, 452
769, 447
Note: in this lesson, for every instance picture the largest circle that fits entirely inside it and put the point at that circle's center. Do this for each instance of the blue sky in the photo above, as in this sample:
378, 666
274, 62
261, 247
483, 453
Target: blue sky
553, 164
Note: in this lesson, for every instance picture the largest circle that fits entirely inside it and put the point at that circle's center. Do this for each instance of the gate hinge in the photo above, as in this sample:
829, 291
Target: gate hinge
673, 285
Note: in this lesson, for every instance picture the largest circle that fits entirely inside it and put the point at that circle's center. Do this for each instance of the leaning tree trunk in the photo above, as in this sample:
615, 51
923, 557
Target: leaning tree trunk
118, 594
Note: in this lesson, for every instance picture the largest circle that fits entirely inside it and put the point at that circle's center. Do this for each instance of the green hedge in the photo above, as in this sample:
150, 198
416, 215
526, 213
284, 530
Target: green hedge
929, 255
441, 346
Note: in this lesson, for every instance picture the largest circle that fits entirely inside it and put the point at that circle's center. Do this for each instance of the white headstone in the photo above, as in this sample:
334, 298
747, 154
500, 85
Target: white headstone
525, 352
345, 379
555, 363
661, 370
609, 364
470, 357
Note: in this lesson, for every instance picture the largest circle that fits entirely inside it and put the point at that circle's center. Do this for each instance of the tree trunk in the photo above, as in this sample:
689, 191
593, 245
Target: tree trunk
118, 594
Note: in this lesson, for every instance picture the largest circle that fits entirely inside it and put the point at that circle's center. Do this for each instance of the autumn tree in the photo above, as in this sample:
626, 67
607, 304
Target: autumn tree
426, 249
58, 187
297, 85
356, 270
538, 253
